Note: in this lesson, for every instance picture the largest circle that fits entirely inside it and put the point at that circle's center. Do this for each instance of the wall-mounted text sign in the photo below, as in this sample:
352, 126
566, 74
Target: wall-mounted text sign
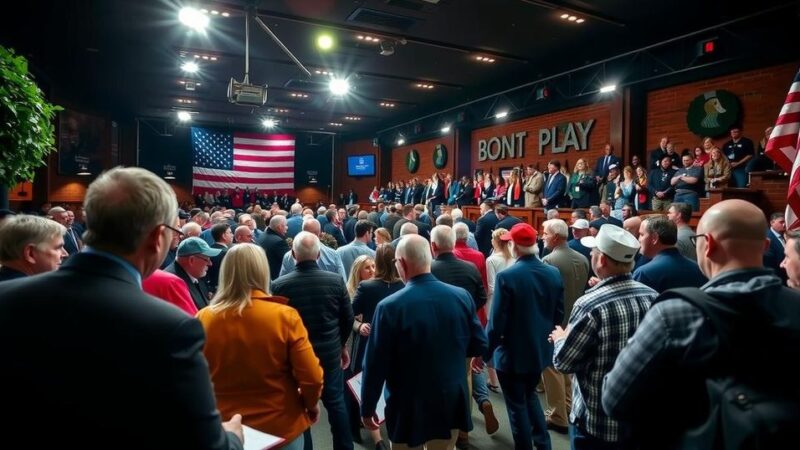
559, 138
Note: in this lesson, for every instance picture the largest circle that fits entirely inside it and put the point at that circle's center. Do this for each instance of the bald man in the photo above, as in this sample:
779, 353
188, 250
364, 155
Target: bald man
660, 376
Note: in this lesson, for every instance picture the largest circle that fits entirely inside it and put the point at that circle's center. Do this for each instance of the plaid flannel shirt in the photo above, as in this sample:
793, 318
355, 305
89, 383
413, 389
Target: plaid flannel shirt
601, 323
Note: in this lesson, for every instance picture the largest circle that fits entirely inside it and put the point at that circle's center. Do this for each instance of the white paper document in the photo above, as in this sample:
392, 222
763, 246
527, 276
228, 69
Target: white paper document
258, 440
355, 387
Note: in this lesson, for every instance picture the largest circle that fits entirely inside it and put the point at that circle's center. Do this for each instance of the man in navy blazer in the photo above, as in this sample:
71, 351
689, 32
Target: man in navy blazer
528, 298
604, 163
776, 251
428, 327
667, 269
485, 227
555, 188
117, 367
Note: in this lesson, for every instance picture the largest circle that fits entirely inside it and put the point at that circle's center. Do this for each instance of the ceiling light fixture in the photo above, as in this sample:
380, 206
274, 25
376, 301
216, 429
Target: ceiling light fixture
608, 88
193, 18
424, 86
387, 104
184, 116
484, 59
325, 42
355, 118
501, 115
336, 124
401, 141
83, 171
190, 67
269, 123
564, 16
446, 129
580, 21
339, 86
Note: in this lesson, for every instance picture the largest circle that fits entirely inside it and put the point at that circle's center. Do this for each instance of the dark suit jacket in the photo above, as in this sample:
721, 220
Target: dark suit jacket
349, 228
198, 291
528, 303
483, 232
352, 198
455, 272
334, 231
275, 246
89, 347
212, 277
774, 255
70, 245
368, 295
507, 222
668, 270
470, 224
433, 325
555, 192
601, 170
423, 229
7, 273
391, 219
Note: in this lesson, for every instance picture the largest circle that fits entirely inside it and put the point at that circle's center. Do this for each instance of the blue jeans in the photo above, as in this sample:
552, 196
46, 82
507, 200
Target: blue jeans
333, 399
581, 440
525, 413
296, 444
689, 198
739, 177
480, 391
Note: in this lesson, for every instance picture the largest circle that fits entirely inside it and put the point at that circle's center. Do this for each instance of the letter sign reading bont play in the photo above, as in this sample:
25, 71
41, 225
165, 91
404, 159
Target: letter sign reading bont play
503, 147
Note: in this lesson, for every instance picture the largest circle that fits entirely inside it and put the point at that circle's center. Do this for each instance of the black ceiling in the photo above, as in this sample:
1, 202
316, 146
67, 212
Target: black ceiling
123, 56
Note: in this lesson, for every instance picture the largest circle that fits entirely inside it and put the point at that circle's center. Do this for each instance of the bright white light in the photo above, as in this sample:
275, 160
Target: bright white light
269, 123
401, 141
193, 18
190, 67
608, 88
564, 16
184, 116
325, 42
501, 114
446, 129
572, 18
339, 86
580, 21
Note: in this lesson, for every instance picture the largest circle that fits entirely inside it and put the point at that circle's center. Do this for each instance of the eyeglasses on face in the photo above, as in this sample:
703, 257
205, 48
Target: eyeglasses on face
693, 239
179, 232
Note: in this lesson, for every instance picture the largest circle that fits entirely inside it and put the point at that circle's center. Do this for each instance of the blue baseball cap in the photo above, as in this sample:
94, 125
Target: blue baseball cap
196, 246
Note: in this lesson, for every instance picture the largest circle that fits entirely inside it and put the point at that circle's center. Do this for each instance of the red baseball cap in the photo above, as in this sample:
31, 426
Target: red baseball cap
522, 234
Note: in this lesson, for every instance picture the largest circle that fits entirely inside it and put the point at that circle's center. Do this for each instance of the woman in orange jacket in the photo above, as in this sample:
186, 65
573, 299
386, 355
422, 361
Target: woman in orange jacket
261, 361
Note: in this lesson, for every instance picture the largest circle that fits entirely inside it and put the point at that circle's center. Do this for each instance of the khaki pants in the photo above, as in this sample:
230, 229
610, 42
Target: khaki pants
558, 392
436, 444
659, 204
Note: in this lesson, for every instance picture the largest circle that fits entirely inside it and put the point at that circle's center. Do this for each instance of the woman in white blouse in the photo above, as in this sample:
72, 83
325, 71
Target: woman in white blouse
498, 261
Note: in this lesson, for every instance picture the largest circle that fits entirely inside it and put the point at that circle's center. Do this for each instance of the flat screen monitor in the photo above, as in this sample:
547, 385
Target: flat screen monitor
361, 166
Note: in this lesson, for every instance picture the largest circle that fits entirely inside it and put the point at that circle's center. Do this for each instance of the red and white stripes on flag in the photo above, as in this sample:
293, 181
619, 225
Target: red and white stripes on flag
245, 160
782, 148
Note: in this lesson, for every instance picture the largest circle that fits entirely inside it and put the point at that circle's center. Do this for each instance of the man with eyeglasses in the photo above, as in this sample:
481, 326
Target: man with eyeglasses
191, 265
678, 358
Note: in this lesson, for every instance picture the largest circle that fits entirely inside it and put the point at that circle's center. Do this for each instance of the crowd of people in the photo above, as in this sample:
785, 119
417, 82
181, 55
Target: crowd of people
196, 322
683, 177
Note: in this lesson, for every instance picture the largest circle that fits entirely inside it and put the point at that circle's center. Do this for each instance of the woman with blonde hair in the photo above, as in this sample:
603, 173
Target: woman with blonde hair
625, 191
581, 185
363, 269
259, 356
515, 196
500, 260
368, 294
382, 236
717, 170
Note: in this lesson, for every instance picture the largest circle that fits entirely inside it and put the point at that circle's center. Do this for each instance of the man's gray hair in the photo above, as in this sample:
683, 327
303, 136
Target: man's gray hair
594, 211
520, 250
557, 227
123, 205
17, 232
276, 221
444, 237
296, 208
306, 246
321, 210
462, 231
552, 214
456, 213
190, 229
416, 251
312, 225
409, 228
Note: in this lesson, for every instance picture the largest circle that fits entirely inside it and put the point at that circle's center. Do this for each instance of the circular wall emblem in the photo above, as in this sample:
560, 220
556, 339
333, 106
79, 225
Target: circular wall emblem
439, 156
713, 113
412, 160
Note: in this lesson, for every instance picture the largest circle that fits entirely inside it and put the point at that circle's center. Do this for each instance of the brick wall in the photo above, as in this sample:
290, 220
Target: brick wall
362, 186
598, 136
425, 150
761, 94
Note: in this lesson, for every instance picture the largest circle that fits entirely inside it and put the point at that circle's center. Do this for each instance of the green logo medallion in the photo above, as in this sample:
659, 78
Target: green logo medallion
439, 156
713, 113
412, 161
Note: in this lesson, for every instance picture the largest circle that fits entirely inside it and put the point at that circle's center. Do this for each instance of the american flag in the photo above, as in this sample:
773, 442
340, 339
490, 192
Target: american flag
225, 160
782, 148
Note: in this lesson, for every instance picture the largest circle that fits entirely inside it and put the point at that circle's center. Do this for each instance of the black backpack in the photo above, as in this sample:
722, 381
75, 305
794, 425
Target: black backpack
751, 406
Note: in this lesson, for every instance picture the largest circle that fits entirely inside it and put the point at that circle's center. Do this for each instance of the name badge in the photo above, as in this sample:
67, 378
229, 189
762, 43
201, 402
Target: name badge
577, 189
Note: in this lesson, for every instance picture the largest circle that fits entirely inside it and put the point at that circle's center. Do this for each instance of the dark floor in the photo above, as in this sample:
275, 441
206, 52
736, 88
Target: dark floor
478, 438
